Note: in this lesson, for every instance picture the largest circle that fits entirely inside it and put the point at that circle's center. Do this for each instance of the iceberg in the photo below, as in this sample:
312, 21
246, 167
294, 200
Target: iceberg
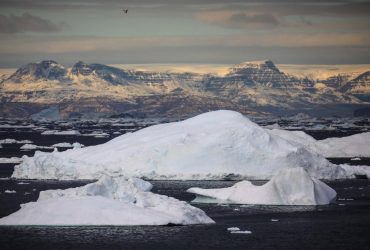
109, 201
214, 145
289, 187
357, 145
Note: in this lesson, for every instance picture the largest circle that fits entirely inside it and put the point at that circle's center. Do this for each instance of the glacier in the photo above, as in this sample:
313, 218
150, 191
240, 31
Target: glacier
109, 201
215, 145
291, 186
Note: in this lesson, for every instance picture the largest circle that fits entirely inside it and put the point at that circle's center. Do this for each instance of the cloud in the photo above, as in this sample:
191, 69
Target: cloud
27, 23
240, 20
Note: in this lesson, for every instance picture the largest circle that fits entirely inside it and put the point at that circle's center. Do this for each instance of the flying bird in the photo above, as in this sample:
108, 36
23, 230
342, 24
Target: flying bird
125, 10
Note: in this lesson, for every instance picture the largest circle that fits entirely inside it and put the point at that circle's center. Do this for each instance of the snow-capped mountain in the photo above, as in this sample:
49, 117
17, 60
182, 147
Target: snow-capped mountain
248, 87
44, 70
265, 73
358, 85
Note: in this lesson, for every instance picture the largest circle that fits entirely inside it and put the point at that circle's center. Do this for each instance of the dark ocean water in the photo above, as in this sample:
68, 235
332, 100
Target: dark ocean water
344, 225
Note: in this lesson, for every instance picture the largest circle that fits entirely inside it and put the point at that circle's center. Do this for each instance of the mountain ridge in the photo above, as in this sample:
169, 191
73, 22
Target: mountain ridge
252, 86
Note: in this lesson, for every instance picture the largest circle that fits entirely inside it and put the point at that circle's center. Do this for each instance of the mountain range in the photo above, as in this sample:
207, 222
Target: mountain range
253, 88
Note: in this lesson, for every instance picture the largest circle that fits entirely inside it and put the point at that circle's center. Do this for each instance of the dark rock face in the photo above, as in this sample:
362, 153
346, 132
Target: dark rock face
44, 70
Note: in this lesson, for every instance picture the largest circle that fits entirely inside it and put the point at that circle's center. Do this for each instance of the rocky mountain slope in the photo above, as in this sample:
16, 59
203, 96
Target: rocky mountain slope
249, 87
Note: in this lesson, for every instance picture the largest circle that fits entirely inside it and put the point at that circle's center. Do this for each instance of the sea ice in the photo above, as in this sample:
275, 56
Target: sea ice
27, 147
241, 232
14, 141
109, 201
289, 187
10, 191
56, 132
11, 160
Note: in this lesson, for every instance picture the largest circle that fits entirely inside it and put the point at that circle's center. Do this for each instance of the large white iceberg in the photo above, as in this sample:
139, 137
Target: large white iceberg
214, 145
109, 201
289, 187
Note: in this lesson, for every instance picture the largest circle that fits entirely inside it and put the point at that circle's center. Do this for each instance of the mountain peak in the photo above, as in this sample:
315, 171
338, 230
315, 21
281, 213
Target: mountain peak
257, 65
81, 68
46, 69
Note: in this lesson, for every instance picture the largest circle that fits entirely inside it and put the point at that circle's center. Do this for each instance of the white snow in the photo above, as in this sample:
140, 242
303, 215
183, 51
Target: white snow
109, 201
56, 132
214, 145
350, 146
11, 160
289, 187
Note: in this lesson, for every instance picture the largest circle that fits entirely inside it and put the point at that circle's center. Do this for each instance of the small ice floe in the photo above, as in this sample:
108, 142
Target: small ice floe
56, 132
23, 183
10, 191
341, 204
233, 229
274, 220
27, 193
11, 160
97, 134
14, 141
356, 159
27, 147
236, 209
68, 145
241, 232
34, 190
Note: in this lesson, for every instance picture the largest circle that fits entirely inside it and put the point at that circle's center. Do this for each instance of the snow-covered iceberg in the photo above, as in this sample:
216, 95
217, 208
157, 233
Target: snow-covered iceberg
289, 187
109, 201
214, 145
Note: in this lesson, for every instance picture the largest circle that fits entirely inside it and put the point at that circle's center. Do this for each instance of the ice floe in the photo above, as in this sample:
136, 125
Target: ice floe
56, 132
27, 147
11, 160
10, 191
109, 201
67, 145
289, 187
14, 141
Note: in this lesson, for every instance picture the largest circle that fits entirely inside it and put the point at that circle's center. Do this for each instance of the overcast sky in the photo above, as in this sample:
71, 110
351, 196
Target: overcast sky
184, 31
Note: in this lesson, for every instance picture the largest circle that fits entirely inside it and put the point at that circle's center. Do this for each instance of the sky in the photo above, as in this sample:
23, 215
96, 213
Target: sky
184, 31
